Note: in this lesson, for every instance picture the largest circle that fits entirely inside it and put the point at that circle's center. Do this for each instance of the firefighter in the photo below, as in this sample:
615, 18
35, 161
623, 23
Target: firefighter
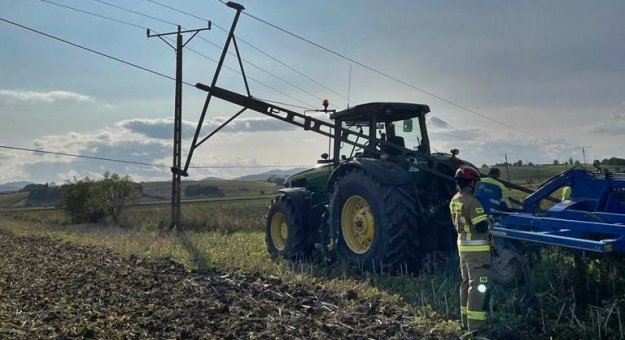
474, 248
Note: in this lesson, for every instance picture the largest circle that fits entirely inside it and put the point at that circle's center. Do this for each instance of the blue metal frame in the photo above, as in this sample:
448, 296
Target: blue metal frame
592, 219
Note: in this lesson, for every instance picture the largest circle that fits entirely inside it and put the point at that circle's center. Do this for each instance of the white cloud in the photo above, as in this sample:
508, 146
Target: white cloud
613, 126
120, 143
437, 122
616, 128
49, 97
162, 128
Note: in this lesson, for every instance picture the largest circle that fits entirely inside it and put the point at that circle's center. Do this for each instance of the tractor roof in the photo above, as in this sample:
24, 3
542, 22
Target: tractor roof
385, 112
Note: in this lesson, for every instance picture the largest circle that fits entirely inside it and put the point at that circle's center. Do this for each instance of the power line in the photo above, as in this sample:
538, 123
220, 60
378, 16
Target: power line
482, 141
160, 74
190, 49
93, 14
387, 75
282, 103
135, 12
254, 47
15, 148
219, 47
91, 50
171, 78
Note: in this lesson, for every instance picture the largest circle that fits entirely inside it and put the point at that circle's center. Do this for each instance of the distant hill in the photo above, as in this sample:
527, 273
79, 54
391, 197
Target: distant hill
265, 175
13, 186
213, 179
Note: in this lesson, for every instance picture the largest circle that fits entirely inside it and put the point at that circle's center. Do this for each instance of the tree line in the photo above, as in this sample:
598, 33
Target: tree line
613, 161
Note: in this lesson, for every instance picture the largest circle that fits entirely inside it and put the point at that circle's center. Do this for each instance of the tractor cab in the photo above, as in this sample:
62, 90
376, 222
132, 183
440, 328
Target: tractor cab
402, 124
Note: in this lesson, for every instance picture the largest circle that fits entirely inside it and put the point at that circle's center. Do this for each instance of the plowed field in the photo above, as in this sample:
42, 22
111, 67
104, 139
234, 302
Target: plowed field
51, 289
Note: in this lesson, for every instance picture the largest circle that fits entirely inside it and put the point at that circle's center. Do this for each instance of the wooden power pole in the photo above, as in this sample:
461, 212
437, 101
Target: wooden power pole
176, 180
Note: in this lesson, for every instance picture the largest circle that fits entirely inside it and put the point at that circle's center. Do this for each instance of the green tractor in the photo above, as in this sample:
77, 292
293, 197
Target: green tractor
380, 202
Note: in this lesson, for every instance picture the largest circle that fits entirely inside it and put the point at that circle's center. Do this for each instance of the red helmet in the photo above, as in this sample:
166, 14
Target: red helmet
468, 173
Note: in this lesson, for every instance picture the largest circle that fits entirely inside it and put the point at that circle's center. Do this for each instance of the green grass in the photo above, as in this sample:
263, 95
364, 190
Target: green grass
229, 236
13, 199
534, 175
162, 190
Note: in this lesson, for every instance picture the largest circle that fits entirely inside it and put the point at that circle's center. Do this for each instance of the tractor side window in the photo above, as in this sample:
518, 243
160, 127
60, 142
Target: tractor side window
407, 133
349, 150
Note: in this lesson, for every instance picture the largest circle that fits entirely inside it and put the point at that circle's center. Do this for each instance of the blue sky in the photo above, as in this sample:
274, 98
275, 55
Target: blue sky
552, 68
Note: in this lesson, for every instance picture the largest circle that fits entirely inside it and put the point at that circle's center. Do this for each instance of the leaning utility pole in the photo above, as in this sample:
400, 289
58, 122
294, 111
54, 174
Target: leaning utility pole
584, 148
176, 180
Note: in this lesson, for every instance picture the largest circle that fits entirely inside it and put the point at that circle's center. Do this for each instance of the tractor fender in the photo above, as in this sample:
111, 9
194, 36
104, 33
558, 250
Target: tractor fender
301, 200
387, 173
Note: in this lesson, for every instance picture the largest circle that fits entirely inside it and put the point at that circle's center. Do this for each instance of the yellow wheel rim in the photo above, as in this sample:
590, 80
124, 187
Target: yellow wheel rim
279, 231
357, 224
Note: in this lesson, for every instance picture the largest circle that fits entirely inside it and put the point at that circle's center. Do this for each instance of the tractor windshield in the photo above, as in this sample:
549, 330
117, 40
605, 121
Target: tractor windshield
406, 132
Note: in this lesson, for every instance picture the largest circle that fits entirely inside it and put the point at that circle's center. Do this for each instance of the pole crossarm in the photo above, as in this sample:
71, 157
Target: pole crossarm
197, 30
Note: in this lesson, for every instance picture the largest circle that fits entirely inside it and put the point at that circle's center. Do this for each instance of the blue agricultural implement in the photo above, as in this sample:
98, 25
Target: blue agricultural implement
590, 220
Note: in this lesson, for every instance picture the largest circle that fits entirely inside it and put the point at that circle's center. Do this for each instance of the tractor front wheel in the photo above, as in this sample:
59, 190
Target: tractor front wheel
285, 231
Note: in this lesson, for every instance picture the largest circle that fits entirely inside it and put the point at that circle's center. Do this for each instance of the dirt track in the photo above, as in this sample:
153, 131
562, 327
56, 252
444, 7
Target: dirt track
50, 289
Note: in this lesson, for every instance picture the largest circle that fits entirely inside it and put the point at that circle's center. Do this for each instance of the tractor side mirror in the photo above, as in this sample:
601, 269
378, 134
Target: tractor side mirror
454, 152
408, 125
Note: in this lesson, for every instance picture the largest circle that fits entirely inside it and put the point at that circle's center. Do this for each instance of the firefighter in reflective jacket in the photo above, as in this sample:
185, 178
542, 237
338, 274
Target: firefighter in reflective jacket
474, 247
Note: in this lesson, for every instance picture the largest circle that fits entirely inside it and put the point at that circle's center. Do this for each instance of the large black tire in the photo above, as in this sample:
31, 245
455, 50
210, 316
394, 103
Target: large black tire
288, 237
394, 244
507, 268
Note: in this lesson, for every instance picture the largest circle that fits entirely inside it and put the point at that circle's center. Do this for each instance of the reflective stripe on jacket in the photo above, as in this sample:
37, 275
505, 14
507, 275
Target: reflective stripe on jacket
466, 213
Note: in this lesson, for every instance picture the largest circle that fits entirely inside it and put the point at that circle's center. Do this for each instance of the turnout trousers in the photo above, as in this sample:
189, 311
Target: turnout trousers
475, 286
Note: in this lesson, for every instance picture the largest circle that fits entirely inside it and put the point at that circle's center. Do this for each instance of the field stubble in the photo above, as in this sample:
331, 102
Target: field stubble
230, 237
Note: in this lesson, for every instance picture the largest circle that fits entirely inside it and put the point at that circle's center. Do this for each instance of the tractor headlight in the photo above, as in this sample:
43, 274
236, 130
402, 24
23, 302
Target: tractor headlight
481, 288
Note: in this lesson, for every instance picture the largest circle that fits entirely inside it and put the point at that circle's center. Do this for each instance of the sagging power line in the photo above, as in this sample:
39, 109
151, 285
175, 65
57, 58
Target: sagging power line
255, 48
172, 78
65, 154
130, 24
92, 50
386, 75
219, 47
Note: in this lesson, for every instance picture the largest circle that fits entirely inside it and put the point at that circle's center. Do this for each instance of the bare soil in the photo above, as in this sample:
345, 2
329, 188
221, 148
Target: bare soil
52, 289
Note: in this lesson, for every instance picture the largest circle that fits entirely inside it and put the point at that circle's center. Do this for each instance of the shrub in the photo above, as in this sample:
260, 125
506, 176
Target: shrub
89, 201
80, 201
115, 193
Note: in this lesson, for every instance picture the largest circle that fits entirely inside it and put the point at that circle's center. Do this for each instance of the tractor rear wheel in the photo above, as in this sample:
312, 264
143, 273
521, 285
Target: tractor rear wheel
376, 223
285, 230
